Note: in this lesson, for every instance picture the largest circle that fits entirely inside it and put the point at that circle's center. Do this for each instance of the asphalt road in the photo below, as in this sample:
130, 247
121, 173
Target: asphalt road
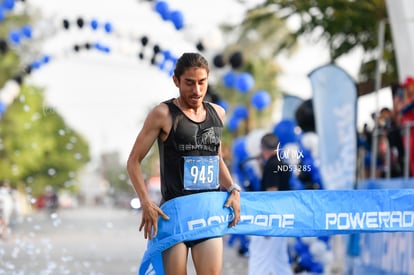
94, 240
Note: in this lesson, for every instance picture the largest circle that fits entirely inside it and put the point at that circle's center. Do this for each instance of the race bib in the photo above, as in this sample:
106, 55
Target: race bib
201, 172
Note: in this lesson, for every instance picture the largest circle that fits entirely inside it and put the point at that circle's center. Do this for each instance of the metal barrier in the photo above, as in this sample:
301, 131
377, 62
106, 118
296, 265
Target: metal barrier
407, 136
381, 134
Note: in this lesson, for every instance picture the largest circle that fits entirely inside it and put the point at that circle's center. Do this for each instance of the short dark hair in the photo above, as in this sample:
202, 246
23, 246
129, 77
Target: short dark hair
385, 109
269, 141
188, 60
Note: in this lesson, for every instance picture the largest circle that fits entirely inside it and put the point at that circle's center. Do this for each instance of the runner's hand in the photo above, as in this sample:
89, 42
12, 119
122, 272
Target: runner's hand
233, 201
149, 222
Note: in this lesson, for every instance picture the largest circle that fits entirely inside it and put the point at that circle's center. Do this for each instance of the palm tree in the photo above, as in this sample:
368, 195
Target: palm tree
344, 25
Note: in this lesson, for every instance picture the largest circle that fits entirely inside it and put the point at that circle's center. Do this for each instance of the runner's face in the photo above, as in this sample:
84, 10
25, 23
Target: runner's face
193, 86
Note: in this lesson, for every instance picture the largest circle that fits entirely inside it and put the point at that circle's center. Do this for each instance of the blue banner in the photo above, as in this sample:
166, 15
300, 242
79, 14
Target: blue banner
290, 213
385, 253
290, 105
334, 102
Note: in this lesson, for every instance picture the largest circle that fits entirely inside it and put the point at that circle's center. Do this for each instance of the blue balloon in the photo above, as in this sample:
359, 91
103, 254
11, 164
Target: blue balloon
239, 148
254, 179
295, 183
300, 247
229, 80
316, 267
314, 170
8, 4
108, 27
223, 104
171, 72
3, 107
14, 37
35, 65
178, 19
27, 31
245, 82
161, 65
241, 112
1, 13
163, 9
94, 24
285, 131
316, 177
233, 124
46, 59
106, 49
102, 48
98, 46
306, 260
167, 54
325, 239
261, 99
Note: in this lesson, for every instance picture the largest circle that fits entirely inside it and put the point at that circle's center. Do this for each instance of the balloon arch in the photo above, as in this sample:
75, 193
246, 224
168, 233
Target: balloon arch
158, 56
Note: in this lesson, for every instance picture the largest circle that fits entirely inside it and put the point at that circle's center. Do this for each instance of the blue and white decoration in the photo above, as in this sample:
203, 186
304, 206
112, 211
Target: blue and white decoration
334, 100
310, 213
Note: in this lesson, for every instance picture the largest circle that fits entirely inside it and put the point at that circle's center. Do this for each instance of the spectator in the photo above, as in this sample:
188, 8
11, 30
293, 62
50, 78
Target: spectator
52, 199
6, 208
392, 131
269, 255
407, 118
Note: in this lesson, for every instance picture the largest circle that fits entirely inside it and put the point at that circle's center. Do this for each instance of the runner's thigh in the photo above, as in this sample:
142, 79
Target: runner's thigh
208, 256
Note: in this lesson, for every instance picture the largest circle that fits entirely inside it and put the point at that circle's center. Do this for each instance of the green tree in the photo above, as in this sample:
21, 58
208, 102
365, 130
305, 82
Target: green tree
37, 148
344, 25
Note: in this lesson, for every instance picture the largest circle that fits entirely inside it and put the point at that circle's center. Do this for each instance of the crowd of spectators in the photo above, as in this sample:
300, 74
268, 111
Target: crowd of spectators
394, 130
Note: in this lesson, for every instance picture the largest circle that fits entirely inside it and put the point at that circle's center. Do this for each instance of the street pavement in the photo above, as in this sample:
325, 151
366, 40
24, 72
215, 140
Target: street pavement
85, 240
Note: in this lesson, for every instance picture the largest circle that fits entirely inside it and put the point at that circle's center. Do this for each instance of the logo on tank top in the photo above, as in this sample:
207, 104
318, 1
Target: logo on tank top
206, 140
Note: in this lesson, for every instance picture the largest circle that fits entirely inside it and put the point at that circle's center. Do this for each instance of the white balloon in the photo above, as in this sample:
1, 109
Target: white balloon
308, 240
253, 142
310, 141
327, 257
213, 40
9, 92
6, 99
192, 33
291, 153
47, 28
318, 248
12, 87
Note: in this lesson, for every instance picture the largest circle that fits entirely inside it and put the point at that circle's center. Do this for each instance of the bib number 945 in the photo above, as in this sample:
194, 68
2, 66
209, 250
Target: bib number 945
201, 172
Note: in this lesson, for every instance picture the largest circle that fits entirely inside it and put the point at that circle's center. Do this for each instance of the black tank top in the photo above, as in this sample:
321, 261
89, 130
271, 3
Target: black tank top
186, 138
